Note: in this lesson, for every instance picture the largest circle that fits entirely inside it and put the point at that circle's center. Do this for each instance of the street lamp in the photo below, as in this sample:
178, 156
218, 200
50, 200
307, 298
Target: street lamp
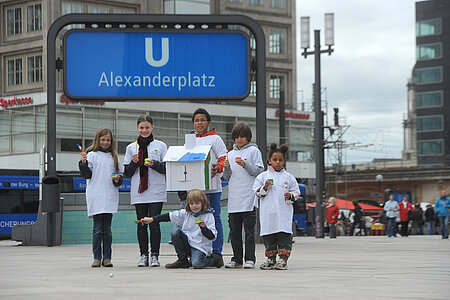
329, 41
379, 179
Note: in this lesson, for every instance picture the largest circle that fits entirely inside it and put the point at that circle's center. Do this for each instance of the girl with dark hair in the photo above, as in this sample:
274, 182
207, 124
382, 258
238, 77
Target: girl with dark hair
144, 164
277, 190
100, 166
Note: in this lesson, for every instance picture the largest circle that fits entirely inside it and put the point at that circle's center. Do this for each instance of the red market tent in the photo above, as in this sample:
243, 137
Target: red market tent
347, 204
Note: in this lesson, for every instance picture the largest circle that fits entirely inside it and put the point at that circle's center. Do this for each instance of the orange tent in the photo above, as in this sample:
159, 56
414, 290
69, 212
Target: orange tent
347, 204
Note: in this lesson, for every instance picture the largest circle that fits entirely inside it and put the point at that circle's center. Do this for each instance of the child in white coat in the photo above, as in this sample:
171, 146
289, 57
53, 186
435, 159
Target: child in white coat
100, 166
241, 167
277, 190
194, 233
143, 162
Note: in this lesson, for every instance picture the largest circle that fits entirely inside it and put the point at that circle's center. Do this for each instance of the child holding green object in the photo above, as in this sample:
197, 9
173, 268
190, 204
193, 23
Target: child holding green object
244, 163
277, 190
195, 233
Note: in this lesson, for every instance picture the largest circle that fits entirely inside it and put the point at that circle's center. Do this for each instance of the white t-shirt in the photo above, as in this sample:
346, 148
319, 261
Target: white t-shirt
241, 197
156, 191
196, 238
274, 213
101, 194
220, 150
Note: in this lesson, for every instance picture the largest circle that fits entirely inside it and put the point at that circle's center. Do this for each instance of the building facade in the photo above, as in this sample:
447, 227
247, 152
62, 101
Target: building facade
431, 83
23, 98
23, 32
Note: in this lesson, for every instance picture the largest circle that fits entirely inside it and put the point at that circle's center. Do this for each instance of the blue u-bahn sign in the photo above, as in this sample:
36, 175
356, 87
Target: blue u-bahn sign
156, 65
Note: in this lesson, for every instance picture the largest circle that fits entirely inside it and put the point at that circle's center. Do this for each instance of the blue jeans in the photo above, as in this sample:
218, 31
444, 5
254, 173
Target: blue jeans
214, 202
183, 250
430, 227
444, 225
102, 233
392, 226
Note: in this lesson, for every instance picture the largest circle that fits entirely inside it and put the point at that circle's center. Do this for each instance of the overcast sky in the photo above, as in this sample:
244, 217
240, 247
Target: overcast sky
366, 76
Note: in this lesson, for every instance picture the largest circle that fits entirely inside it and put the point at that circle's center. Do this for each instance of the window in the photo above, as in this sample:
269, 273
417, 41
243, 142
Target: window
15, 71
97, 10
71, 8
276, 84
238, 1
428, 75
252, 41
430, 147
34, 17
276, 41
14, 21
123, 11
257, 2
277, 3
429, 99
429, 123
34, 68
252, 86
430, 51
429, 27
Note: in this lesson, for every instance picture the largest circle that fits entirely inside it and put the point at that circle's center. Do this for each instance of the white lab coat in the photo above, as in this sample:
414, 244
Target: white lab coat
101, 194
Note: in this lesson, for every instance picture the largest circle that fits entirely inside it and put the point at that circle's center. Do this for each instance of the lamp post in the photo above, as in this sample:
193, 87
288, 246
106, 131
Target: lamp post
379, 179
318, 131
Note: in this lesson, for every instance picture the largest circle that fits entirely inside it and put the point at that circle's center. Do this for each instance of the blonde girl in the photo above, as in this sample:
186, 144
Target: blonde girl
195, 232
100, 166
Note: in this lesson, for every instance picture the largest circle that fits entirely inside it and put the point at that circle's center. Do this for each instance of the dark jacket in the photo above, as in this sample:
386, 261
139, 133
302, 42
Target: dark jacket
429, 214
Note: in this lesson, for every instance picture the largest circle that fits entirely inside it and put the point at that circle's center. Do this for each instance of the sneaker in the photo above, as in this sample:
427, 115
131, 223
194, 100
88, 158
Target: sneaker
217, 260
233, 265
97, 263
154, 261
179, 264
268, 264
107, 263
249, 264
143, 262
281, 265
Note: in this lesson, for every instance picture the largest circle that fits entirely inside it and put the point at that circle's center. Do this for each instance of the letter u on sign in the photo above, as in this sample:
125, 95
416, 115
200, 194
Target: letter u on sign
149, 52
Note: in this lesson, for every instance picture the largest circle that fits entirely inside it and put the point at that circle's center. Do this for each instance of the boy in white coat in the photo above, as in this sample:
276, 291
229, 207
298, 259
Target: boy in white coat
241, 167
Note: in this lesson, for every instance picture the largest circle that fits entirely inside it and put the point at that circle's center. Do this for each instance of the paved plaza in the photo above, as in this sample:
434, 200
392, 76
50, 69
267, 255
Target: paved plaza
374, 267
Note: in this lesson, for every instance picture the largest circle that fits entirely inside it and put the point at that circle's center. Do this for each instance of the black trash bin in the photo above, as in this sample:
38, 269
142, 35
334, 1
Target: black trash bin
50, 194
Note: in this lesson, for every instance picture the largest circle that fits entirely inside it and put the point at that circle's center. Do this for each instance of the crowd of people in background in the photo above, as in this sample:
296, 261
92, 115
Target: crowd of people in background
398, 218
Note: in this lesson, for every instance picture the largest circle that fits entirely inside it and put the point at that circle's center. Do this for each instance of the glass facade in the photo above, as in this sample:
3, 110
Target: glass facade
23, 130
428, 75
429, 123
429, 99
430, 147
428, 27
430, 51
